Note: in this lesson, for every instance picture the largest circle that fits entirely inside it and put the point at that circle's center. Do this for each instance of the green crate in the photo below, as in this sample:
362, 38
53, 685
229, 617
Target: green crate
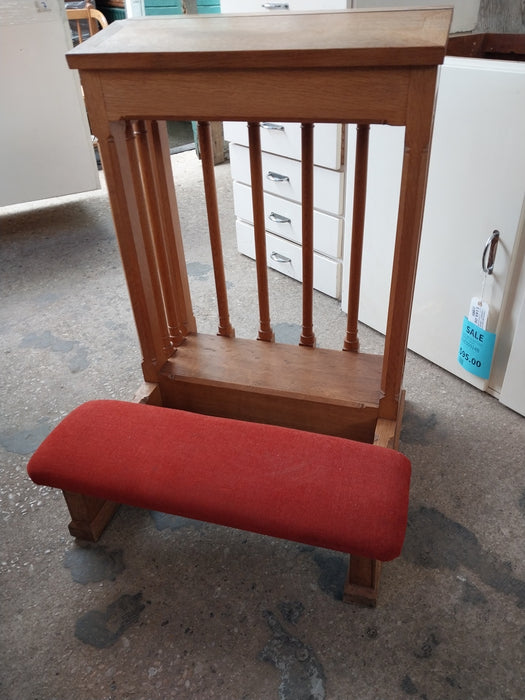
111, 13
171, 4
208, 6
151, 11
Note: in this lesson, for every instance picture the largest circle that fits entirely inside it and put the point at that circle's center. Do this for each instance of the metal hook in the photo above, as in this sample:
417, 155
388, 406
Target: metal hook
490, 249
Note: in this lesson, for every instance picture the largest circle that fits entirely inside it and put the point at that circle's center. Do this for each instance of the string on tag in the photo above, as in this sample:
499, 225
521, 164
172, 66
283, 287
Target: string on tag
482, 295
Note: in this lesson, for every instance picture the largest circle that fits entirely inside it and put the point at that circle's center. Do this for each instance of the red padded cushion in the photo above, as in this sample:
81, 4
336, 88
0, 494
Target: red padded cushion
316, 489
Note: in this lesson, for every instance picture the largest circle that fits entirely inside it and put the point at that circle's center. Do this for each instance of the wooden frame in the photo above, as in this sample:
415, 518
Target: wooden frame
359, 67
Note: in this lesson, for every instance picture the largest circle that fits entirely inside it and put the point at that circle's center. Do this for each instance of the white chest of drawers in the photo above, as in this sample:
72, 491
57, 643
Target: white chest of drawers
282, 207
281, 146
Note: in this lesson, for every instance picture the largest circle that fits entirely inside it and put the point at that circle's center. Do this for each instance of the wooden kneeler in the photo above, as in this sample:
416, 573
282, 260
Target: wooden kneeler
309, 430
316, 489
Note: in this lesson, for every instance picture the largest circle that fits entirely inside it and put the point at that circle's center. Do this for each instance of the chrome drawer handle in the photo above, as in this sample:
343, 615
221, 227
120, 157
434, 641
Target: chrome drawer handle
272, 126
277, 257
276, 6
279, 219
277, 177
490, 247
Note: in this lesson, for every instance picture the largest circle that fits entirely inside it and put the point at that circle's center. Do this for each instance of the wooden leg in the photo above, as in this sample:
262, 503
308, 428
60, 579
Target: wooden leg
148, 393
89, 515
387, 432
362, 581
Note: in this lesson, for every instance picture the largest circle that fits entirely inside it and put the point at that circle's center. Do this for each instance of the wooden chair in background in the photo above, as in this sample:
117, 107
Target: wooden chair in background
85, 18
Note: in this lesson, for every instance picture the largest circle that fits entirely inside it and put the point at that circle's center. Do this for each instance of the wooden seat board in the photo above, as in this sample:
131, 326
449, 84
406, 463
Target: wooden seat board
322, 375
319, 390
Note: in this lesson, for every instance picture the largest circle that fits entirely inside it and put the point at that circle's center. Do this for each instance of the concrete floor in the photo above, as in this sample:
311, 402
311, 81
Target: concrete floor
164, 607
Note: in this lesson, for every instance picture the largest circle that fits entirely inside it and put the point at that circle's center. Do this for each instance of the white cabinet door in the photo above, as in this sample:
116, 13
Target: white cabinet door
274, 6
476, 184
45, 144
465, 15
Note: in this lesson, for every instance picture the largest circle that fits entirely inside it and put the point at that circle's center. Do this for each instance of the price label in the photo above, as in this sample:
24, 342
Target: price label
476, 349
478, 312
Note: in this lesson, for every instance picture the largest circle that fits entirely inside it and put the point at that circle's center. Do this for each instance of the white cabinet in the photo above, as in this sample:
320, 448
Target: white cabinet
45, 144
281, 147
464, 19
475, 185
282, 200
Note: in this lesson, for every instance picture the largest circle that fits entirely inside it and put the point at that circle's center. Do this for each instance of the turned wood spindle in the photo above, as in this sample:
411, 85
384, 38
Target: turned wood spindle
307, 218
141, 174
149, 149
351, 341
212, 209
259, 226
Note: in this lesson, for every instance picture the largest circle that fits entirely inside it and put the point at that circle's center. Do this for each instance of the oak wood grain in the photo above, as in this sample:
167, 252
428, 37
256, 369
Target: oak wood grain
352, 66
326, 391
345, 38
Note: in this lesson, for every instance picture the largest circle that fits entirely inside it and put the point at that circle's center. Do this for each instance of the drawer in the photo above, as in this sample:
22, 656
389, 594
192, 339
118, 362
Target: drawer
282, 177
294, 5
283, 218
286, 257
284, 139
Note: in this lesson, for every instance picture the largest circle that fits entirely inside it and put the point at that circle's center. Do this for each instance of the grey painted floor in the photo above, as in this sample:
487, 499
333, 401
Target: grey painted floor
167, 608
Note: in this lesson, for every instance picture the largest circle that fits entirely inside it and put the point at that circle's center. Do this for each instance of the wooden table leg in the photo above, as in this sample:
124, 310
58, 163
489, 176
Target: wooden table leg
362, 581
89, 515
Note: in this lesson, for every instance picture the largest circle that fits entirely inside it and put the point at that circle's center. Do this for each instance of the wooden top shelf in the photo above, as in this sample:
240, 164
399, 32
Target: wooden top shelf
339, 39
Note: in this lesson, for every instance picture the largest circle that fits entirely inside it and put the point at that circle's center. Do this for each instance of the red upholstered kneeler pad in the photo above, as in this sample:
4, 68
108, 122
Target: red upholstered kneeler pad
316, 489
